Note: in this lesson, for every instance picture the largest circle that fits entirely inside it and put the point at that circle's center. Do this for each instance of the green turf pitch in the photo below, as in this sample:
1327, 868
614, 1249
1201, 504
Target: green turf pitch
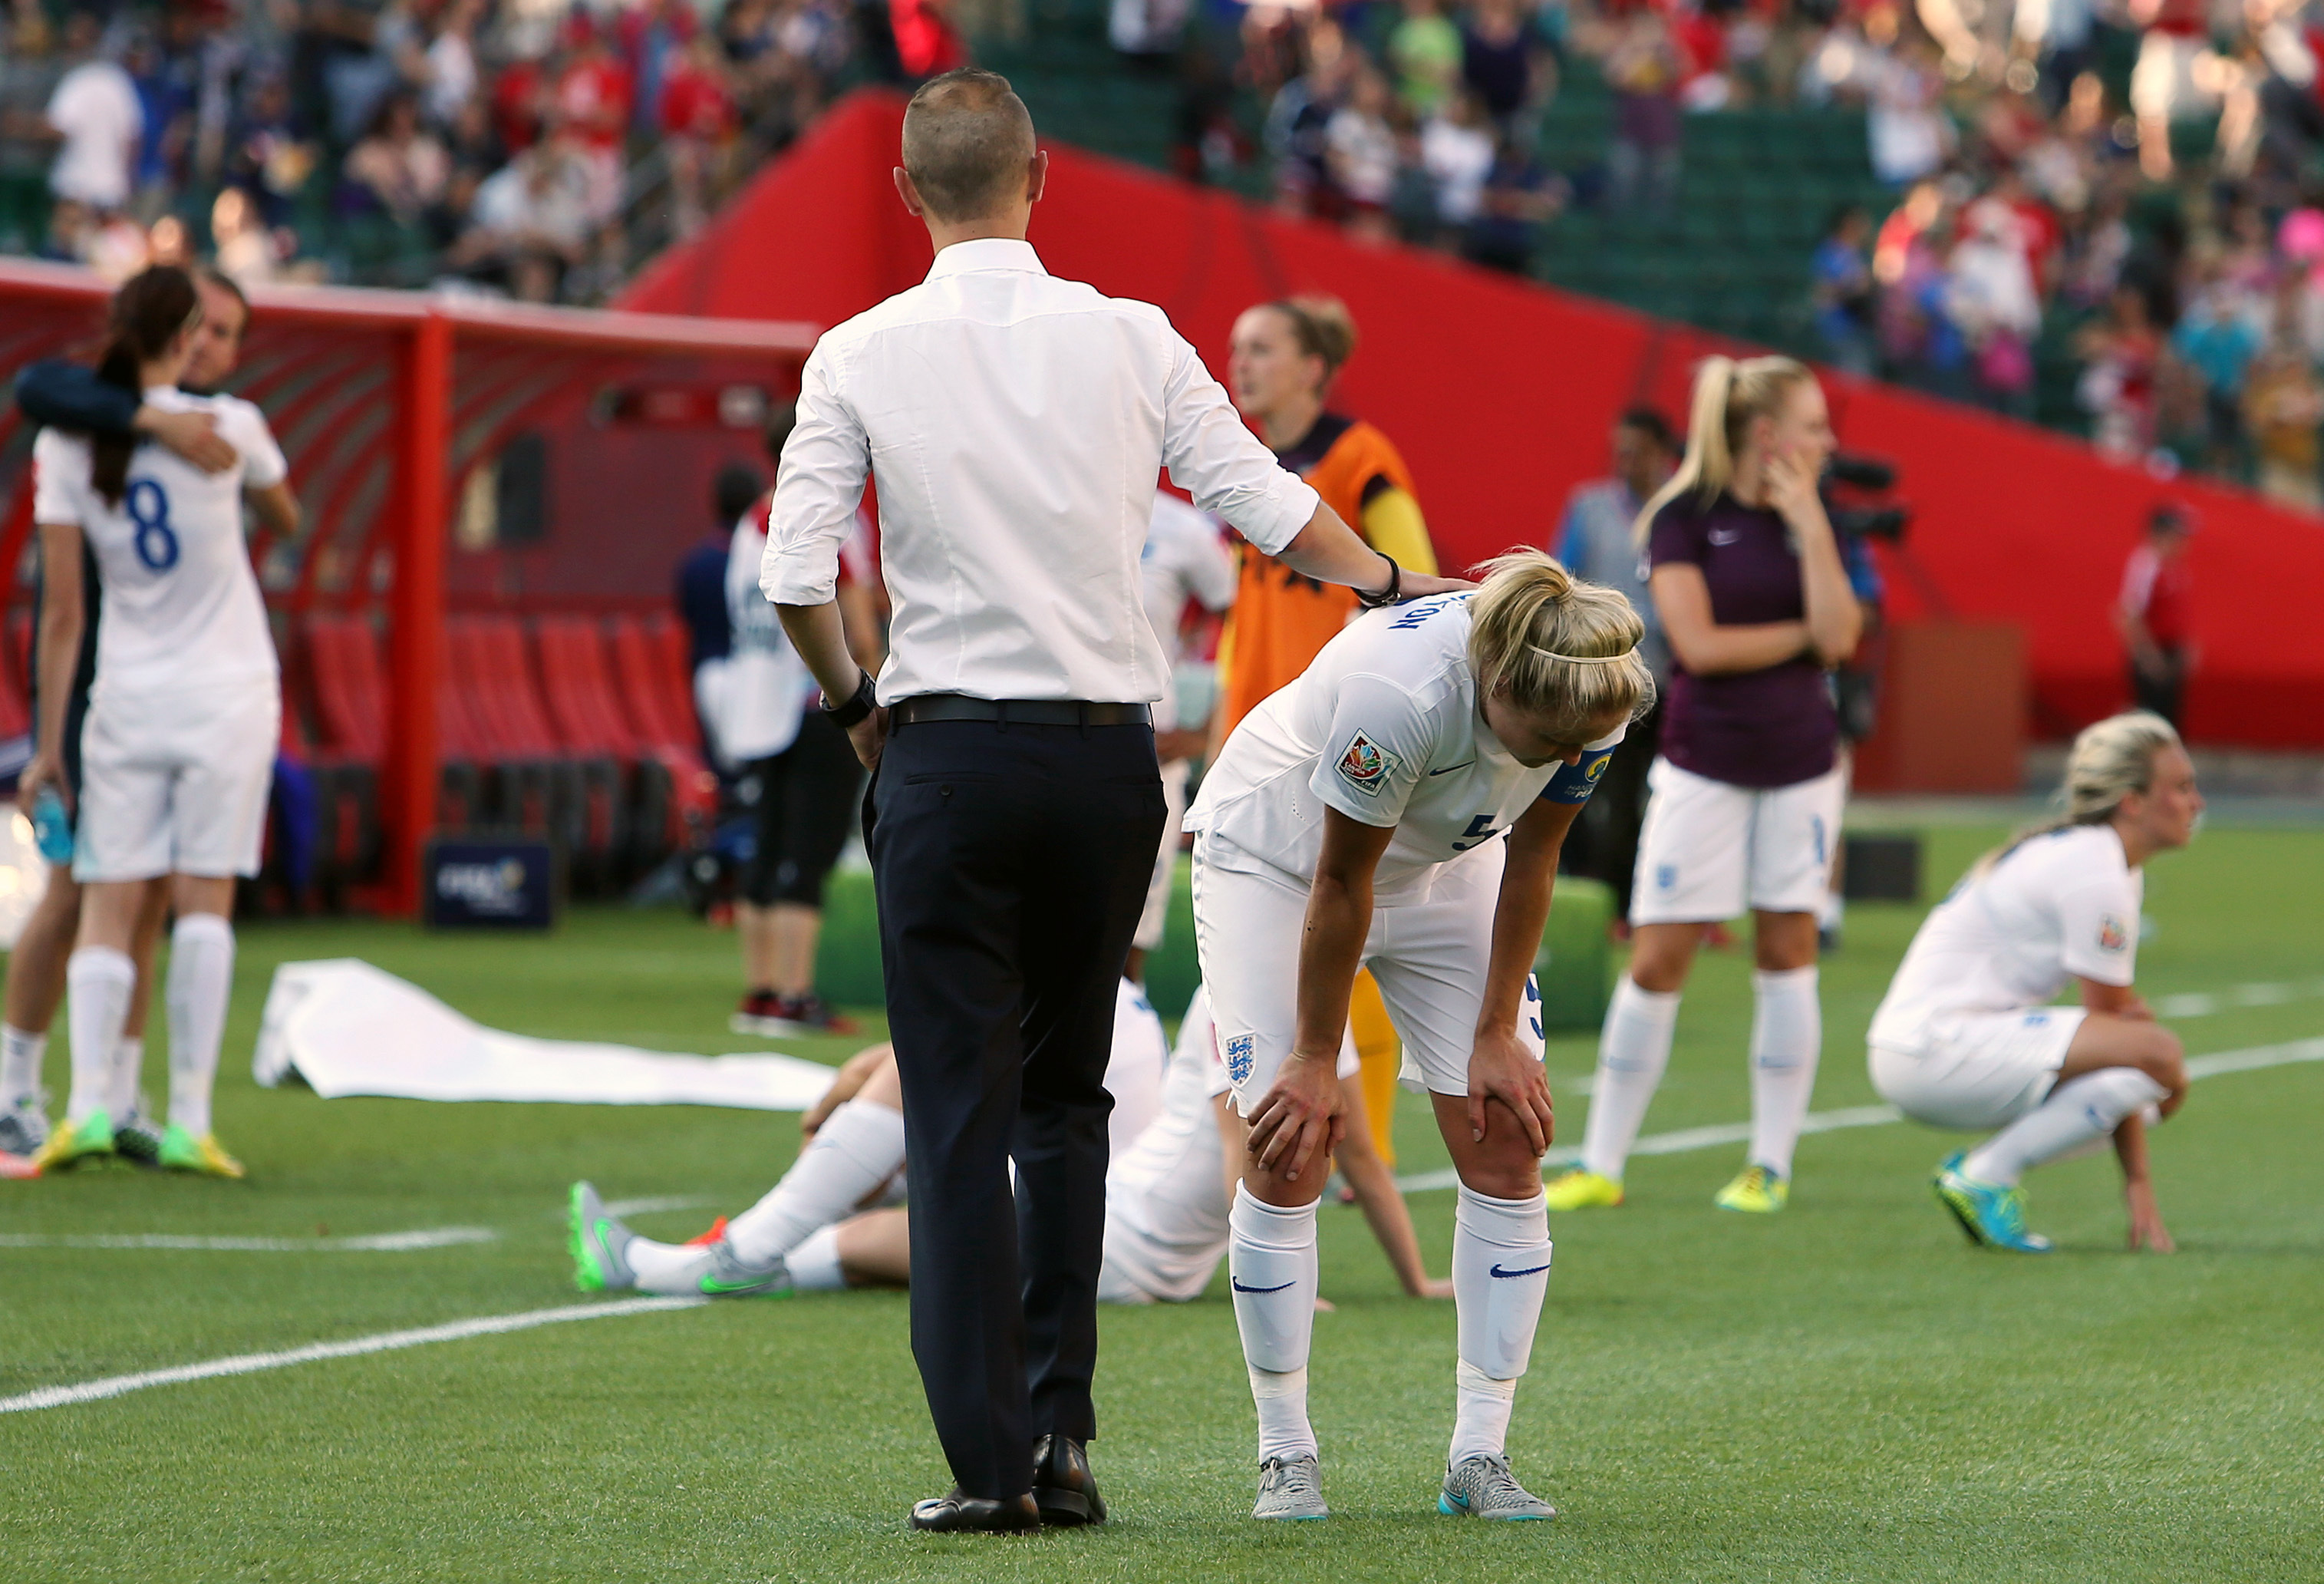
1844, 1392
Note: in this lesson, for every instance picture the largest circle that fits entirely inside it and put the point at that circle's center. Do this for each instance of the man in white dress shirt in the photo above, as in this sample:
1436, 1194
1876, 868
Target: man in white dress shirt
1015, 424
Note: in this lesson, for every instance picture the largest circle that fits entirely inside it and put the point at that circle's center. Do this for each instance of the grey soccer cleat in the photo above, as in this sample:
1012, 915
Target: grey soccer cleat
729, 1277
1483, 1487
600, 1243
1290, 1487
24, 1127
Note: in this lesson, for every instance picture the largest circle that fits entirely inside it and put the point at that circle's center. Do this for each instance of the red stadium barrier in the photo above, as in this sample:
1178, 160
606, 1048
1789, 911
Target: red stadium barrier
1500, 394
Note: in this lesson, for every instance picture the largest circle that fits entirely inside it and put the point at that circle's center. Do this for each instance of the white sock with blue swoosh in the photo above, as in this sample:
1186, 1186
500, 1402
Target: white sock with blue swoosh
1271, 1268
1500, 1274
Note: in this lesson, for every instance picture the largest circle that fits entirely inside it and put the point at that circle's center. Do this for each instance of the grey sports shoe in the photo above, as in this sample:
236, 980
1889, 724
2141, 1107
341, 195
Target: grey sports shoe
1290, 1487
1483, 1487
24, 1126
729, 1277
599, 1242
135, 1138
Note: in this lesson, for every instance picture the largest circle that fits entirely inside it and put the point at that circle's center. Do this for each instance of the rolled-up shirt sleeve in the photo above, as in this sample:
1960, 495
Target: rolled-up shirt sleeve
818, 487
1213, 456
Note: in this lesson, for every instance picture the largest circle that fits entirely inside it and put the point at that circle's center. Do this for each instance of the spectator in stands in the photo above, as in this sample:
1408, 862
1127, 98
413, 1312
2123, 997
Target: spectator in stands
1456, 154
1842, 291
1597, 540
927, 42
2166, 84
1359, 152
698, 128
398, 169
1990, 300
529, 223
1642, 164
1424, 52
98, 120
266, 156
1507, 63
2117, 384
2155, 614
1905, 119
1519, 197
2217, 338
451, 81
592, 98
1298, 116
2283, 406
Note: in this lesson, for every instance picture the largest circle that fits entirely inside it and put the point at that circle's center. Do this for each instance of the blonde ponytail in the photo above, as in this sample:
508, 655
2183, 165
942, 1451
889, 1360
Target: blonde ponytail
1727, 395
2111, 760
1554, 645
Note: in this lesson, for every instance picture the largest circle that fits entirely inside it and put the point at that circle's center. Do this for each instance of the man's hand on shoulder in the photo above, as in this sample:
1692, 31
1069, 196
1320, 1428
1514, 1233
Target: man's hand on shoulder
192, 435
1421, 585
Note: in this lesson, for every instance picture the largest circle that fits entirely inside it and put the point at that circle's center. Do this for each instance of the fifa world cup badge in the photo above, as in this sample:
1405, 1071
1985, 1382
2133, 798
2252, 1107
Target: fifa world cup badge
1365, 765
2113, 933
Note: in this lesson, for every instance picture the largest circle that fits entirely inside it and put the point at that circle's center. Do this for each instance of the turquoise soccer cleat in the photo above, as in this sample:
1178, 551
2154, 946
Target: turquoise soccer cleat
1990, 1214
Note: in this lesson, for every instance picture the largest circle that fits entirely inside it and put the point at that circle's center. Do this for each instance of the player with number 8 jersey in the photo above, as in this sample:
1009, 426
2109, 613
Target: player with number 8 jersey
184, 716
1400, 806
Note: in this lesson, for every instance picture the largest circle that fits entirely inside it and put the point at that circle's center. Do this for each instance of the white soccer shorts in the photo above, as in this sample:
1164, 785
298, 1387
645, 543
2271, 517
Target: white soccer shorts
1155, 921
1429, 957
1977, 1071
176, 784
1709, 849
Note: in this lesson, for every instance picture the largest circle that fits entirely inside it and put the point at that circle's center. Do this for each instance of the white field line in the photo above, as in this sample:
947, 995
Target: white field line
2204, 1002
316, 1352
376, 1243
1729, 1132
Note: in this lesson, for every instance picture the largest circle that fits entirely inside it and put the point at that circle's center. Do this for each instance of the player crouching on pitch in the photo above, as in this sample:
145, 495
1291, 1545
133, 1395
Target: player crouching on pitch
1400, 806
1965, 1037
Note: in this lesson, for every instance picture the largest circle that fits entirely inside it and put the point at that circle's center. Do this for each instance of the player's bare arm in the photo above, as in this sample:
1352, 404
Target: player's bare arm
277, 509
63, 615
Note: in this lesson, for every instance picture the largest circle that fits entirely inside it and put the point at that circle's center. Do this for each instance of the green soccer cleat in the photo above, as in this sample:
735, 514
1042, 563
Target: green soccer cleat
1582, 1190
75, 1142
599, 1242
1483, 1487
1757, 1190
1291, 1489
180, 1150
1991, 1215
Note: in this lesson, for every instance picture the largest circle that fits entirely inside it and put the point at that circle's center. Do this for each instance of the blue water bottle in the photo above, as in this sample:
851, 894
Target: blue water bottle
52, 826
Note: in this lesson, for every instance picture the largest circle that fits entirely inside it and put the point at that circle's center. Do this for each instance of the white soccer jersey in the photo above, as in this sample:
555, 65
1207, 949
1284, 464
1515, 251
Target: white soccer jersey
182, 610
1184, 559
1384, 726
2063, 905
1133, 1072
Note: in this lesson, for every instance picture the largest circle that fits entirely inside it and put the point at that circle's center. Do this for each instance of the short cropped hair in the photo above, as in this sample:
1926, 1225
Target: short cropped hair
967, 141
1650, 422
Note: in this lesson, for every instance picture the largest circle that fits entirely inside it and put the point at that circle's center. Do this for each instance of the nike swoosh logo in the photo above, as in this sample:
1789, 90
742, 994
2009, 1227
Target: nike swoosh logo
1449, 769
1729, 537
1239, 1287
712, 1287
1529, 1271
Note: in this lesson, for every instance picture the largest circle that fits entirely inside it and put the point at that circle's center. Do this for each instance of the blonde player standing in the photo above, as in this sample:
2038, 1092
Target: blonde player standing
1746, 791
183, 718
1965, 1037
1401, 807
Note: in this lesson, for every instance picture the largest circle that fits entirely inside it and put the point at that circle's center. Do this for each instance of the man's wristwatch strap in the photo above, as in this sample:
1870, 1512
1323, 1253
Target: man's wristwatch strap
846, 716
1389, 595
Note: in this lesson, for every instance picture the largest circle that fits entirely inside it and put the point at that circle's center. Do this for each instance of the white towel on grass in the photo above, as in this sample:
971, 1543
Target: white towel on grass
348, 1028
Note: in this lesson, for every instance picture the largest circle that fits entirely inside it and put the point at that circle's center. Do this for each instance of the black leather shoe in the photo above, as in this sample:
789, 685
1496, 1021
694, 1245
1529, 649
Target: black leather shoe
954, 1513
1062, 1488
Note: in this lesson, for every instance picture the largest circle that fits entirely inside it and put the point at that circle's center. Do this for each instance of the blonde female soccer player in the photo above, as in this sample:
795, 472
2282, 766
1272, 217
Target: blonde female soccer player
177, 751
1966, 1038
1745, 793
1401, 806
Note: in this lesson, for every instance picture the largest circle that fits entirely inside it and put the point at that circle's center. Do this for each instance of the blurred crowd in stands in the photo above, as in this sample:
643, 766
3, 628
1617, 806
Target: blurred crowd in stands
533, 147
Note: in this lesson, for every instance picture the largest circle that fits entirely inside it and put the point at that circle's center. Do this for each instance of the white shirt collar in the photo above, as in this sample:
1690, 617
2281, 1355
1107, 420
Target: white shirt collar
986, 256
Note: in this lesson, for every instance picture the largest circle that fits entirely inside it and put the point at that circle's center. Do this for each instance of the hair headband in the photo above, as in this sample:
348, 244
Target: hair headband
1582, 659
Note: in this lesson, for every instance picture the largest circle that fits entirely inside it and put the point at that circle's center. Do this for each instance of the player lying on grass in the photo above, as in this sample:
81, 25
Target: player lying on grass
1401, 806
1966, 1038
833, 1221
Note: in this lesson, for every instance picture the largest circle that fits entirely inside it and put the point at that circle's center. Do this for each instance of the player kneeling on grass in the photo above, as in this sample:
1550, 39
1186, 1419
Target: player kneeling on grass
1167, 1191
184, 716
1965, 1037
1400, 806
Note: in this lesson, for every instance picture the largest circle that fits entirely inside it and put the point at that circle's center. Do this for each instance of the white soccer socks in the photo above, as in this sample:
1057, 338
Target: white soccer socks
1271, 1266
128, 1073
1786, 1042
200, 987
1632, 1053
673, 1269
21, 1055
859, 1147
98, 983
2078, 1112
815, 1264
1500, 1274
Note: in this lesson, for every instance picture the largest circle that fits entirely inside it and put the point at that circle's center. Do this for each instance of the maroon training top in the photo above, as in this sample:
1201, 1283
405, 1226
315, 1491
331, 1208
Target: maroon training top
1756, 728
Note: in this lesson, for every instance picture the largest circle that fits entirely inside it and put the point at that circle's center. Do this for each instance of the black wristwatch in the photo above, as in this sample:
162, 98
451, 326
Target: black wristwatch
1389, 595
845, 716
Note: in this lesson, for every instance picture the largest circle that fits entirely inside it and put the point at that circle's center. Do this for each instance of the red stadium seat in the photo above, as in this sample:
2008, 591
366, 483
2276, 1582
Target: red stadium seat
585, 808
659, 706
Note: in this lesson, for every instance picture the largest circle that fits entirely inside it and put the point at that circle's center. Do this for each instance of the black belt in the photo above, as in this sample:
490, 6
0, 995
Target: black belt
925, 707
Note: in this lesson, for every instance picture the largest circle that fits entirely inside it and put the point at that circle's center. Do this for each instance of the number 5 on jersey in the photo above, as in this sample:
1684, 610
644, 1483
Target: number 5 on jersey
156, 543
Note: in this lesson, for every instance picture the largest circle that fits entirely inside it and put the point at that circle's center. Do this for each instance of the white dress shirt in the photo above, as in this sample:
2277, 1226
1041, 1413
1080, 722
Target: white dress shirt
1015, 424
1185, 559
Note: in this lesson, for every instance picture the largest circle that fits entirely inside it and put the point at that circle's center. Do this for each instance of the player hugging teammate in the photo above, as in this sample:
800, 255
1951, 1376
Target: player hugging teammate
184, 714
